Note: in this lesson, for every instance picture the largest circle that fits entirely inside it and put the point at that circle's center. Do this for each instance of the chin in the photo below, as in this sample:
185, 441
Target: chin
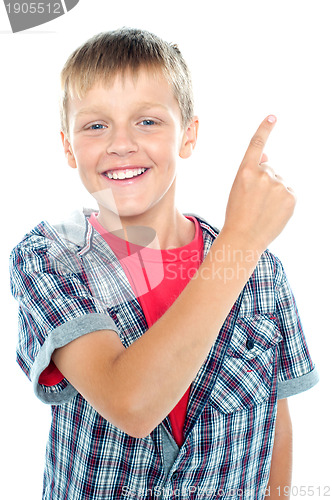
131, 210
131, 214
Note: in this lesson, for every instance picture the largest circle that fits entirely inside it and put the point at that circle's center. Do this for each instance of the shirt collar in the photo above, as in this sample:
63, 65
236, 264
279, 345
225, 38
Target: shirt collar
77, 230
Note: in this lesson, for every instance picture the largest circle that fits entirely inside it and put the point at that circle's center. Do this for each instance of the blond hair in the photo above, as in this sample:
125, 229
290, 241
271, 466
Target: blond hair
107, 54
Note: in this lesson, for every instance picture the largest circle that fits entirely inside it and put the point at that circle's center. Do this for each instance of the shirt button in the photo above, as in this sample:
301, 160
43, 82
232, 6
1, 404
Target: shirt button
250, 344
175, 475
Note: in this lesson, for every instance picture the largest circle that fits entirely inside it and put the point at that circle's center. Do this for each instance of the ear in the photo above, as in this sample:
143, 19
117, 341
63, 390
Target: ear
68, 151
189, 138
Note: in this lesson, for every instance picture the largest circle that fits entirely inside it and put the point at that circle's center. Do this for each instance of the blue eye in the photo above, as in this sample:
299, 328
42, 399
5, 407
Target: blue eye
148, 122
97, 126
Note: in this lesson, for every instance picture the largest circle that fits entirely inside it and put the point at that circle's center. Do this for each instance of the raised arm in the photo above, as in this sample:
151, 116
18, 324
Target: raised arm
135, 388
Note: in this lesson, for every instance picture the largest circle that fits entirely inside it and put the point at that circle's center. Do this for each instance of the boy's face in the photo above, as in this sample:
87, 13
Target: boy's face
125, 140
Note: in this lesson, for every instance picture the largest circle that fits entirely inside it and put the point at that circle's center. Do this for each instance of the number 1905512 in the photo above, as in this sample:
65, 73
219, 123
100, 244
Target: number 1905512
302, 491
34, 8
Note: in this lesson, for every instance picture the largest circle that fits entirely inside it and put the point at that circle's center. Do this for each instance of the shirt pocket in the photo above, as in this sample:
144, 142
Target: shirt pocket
246, 374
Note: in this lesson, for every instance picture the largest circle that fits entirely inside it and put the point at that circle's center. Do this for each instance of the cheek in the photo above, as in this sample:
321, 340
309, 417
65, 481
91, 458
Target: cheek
86, 155
164, 150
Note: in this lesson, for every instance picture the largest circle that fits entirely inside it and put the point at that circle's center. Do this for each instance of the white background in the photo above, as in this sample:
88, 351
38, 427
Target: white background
248, 59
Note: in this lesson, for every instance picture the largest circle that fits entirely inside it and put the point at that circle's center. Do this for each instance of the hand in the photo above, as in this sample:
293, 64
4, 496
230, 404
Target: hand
259, 204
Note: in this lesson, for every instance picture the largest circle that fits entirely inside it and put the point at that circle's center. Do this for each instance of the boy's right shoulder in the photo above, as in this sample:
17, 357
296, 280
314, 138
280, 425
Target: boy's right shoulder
61, 240
70, 232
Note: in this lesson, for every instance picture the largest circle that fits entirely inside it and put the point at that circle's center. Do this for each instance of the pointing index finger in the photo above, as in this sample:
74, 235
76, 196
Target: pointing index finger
258, 141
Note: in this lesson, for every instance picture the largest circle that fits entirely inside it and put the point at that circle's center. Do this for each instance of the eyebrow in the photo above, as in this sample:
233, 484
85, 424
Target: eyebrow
142, 105
86, 111
152, 105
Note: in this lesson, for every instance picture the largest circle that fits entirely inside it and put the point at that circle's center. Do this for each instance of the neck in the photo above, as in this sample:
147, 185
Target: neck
172, 231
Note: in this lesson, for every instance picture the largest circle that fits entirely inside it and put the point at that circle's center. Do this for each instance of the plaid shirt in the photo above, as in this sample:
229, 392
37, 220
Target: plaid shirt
68, 282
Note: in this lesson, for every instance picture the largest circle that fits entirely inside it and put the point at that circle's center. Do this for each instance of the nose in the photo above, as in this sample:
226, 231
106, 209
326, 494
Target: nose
121, 142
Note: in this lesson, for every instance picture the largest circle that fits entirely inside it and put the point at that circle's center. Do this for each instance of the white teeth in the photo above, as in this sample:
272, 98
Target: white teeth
125, 174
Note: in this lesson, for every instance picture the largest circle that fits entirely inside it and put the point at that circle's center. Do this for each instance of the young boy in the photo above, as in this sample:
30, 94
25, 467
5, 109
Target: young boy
167, 349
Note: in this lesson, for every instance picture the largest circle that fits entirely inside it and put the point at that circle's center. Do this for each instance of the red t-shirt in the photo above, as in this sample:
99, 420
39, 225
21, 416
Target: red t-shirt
157, 278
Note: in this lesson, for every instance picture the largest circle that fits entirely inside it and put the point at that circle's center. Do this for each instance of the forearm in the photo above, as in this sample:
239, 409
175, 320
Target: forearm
156, 370
135, 388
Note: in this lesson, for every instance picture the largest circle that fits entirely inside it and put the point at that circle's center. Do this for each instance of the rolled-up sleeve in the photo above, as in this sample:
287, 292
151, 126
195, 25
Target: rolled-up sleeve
55, 307
296, 370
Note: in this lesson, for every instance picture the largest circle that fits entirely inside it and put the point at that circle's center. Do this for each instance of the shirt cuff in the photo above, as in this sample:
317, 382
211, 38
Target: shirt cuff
60, 337
287, 388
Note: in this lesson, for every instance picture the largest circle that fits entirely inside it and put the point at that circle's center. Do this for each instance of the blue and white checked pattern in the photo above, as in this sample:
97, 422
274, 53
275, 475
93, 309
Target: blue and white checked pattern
68, 283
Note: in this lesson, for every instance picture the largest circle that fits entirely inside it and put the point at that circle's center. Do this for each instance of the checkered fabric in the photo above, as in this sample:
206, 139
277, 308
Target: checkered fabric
68, 283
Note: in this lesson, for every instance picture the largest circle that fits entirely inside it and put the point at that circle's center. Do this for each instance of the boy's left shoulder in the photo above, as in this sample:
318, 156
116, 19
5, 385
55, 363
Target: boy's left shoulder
268, 267
266, 286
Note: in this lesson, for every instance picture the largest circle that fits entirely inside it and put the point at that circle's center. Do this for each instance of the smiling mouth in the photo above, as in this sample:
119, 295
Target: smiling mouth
127, 173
